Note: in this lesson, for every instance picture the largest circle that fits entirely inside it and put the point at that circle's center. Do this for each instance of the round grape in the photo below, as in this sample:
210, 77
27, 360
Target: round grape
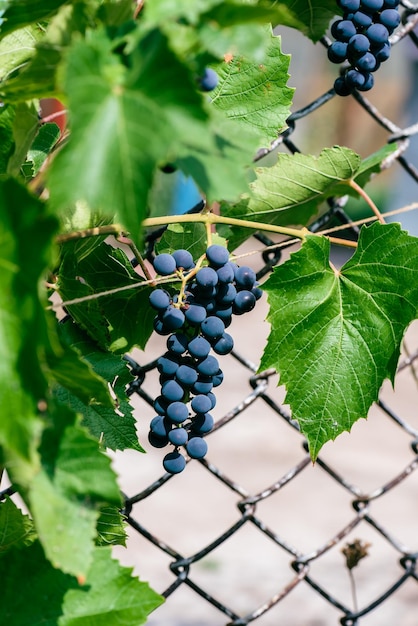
157, 442
174, 462
159, 426
377, 34
167, 364
343, 30
207, 278
368, 82
159, 299
391, 4
201, 404
209, 366
349, 5
367, 62
244, 302
186, 375
371, 5
245, 277
337, 52
217, 255
199, 347
226, 294
390, 18
160, 405
224, 344
172, 391
195, 314
202, 386
209, 80
202, 423
177, 412
164, 264
358, 45
341, 87
383, 53
217, 378
212, 327
173, 318
178, 436
225, 273
196, 447
160, 328
362, 20
177, 343
354, 79
183, 259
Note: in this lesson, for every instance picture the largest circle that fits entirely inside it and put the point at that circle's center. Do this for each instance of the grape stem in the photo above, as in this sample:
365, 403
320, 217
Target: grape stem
368, 199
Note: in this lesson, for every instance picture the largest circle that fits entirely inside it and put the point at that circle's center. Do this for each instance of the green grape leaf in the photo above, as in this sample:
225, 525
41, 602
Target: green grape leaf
256, 94
111, 528
18, 13
335, 335
190, 236
24, 254
291, 191
17, 48
66, 496
314, 16
114, 427
7, 116
110, 597
16, 528
25, 129
41, 147
371, 165
41, 588
116, 321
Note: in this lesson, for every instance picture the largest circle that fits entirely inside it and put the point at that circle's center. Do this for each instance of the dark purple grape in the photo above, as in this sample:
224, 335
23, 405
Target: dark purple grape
343, 30
391, 4
212, 327
199, 347
159, 299
183, 259
349, 5
368, 82
160, 405
157, 442
383, 53
195, 314
212, 399
225, 273
177, 343
174, 462
173, 318
224, 313
371, 5
358, 45
217, 378
224, 344
209, 366
361, 19
257, 292
178, 436
217, 255
209, 80
164, 264
341, 87
196, 447
226, 294
377, 34
159, 426
177, 412
244, 301
167, 364
202, 423
172, 391
367, 62
245, 277
207, 278
354, 79
186, 375
160, 328
202, 386
201, 404
337, 52
390, 18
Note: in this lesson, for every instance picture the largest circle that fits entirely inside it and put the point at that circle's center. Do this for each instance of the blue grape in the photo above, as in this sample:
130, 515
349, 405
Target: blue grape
174, 462
202, 386
173, 318
160, 328
368, 82
177, 412
217, 378
156, 441
224, 344
183, 259
383, 53
159, 426
362, 20
186, 375
201, 404
178, 436
196, 447
224, 313
217, 255
172, 391
354, 79
207, 277
159, 299
199, 347
367, 62
244, 302
177, 343
202, 423
225, 273
349, 5
377, 34
209, 366
212, 327
195, 314
209, 80
343, 30
160, 405
341, 87
390, 18
391, 4
226, 294
164, 264
358, 45
337, 52
245, 277
372, 5
167, 364
212, 399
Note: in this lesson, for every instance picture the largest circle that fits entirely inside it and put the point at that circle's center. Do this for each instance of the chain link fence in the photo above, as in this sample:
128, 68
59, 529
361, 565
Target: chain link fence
255, 532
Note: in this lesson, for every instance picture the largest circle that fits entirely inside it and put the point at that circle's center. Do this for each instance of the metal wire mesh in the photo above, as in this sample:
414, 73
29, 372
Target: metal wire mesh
358, 508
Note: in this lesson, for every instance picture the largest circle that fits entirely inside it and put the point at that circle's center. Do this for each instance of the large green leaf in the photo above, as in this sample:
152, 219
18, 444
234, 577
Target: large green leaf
66, 496
291, 191
16, 529
18, 13
25, 129
41, 588
256, 94
111, 596
17, 48
111, 527
25, 235
116, 321
335, 335
314, 15
113, 426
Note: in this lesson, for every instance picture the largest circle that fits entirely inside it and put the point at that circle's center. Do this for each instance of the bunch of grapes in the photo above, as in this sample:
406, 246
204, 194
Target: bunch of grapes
362, 38
194, 319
